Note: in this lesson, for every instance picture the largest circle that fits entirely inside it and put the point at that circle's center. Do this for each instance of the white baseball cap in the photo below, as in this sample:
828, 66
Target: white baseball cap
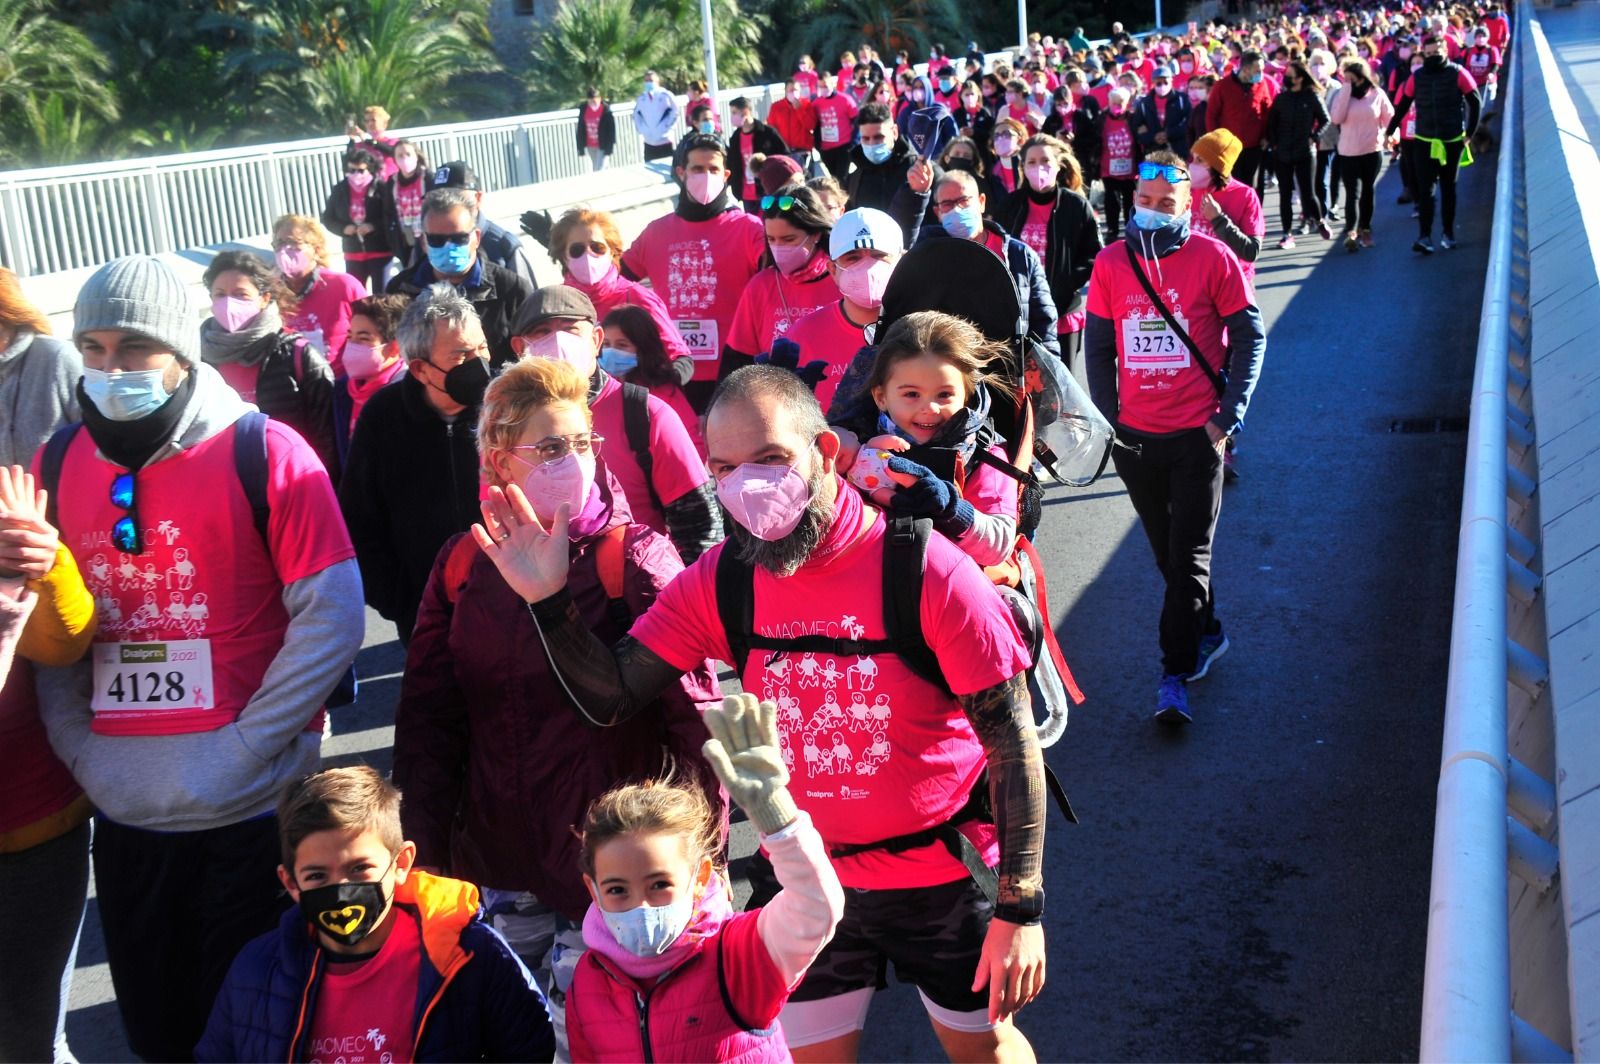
865, 227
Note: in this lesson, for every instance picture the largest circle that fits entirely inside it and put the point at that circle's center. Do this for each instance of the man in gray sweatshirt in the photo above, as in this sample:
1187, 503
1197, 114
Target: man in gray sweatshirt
229, 604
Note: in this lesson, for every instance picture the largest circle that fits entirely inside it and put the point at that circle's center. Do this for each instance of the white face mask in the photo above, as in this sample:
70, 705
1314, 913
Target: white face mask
125, 396
650, 930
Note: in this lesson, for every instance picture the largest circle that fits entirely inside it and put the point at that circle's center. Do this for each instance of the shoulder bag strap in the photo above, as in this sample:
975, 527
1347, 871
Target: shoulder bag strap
1219, 381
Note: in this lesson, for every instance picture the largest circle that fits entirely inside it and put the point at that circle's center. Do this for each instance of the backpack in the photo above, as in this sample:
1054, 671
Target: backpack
249, 461
610, 560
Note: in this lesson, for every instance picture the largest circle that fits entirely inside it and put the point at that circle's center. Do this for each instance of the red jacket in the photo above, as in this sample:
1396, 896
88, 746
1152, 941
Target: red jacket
496, 766
796, 123
1241, 109
688, 1014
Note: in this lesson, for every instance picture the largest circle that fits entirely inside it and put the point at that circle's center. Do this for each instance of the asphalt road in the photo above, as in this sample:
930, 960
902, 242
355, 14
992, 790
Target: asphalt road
1254, 886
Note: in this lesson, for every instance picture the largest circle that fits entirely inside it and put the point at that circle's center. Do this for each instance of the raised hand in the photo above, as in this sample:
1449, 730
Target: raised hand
532, 559
744, 753
27, 541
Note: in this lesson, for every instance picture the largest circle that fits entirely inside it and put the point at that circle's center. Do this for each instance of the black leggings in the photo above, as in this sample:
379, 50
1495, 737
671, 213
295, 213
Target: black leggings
1119, 204
1428, 171
1360, 171
1289, 175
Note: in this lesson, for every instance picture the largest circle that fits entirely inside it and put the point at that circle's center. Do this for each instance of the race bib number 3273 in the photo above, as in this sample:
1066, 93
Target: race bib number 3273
148, 677
1148, 344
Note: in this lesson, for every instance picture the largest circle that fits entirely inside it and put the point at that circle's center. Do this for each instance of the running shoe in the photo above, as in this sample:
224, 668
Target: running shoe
1366, 239
1333, 214
1415, 213
1212, 647
1325, 229
1172, 701
1447, 242
1287, 242
1352, 243
1300, 227
1423, 246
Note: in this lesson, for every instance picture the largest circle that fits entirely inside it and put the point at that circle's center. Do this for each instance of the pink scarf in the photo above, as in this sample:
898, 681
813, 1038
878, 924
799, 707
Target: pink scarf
710, 914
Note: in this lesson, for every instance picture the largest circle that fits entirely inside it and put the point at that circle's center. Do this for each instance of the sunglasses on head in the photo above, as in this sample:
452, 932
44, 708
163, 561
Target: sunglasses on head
1173, 174
439, 240
125, 531
577, 249
783, 202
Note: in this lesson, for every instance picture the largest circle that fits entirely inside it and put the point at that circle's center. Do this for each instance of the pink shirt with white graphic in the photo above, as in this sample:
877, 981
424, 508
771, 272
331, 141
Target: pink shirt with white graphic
826, 335
772, 304
873, 750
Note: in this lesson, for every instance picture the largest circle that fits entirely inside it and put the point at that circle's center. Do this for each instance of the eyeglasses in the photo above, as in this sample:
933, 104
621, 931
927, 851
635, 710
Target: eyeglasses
439, 240
125, 532
576, 249
944, 206
783, 202
555, 448
1173, 174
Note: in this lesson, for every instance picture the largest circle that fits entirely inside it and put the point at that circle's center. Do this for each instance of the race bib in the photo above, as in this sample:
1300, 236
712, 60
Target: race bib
830, 129
1121, 167
700, 337
1149, 344
153, 676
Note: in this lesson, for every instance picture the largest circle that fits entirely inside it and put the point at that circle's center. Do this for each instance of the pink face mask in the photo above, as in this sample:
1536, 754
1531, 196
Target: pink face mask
790, 258
359, 181
1041, 176
233, 313
703, 188
567, 347
767, 501
362, 361
568, 479
293, 262
863, 284
592, 269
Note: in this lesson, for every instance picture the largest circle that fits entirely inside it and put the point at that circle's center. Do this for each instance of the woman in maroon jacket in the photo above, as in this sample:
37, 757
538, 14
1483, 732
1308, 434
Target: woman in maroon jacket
496, 765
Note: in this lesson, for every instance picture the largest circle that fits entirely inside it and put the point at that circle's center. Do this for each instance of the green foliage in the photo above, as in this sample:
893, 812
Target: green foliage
50, 85
828, 27
611, 43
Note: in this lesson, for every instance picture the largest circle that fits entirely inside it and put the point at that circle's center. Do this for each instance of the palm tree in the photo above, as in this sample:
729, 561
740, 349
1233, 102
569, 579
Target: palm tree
605, 43
836, 26
50, 80
737, 33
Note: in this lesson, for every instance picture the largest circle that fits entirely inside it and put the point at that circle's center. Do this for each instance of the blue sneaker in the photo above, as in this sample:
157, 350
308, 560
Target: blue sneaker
1172, 701
1212, 647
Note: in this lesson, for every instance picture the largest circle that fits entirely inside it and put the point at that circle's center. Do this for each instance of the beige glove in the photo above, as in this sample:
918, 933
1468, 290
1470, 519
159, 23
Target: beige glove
743, 751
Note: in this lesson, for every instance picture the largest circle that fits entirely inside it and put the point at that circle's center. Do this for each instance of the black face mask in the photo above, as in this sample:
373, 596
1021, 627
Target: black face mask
345, 912
467, 382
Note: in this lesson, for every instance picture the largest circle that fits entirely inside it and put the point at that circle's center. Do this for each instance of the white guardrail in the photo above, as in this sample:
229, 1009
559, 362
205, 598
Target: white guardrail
1467, 1012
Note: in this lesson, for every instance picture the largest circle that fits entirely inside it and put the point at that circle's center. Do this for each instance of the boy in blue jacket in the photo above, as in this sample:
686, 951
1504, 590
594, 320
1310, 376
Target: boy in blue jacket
378, 962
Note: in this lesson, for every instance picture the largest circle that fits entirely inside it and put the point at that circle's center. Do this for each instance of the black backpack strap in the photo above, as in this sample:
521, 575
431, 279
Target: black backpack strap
1219, 380
50, 462
736, 604
250, 460
636, 423
905, 556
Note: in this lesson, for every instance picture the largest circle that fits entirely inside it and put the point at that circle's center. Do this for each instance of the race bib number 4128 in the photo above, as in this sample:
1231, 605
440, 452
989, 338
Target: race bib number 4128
147, 677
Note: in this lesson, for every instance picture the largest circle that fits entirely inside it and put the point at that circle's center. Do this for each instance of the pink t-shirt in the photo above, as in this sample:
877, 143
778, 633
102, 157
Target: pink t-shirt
1479, 62
771, 304
205, 573
1036, 228
617, 291
1240, 204
673, 396
1159, 389
1116, 155
699, 270
827, 335
807, 82
323, 313
873, 750
677, 468
989, 490
834, 116
367, 1013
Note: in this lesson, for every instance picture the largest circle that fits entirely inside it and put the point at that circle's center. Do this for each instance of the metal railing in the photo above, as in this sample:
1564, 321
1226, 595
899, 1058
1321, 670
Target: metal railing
1466, 1000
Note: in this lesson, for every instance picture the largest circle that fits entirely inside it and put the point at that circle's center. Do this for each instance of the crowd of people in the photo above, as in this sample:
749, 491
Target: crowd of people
795, 427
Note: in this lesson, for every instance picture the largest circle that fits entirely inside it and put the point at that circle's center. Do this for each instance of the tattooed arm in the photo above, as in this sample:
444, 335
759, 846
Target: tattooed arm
1002, 717
1013, 960
604, 685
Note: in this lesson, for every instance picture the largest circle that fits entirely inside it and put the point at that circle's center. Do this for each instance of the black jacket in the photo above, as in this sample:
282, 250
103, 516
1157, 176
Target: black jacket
1295, 119
608, 129
1073, 242
1027, 275
1146, 124
411, 482
884, 187
336, 215
298, 391
981, 124
494, 292
764, 140
1086, 136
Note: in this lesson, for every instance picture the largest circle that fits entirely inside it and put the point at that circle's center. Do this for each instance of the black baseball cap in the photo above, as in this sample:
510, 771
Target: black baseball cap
456, 174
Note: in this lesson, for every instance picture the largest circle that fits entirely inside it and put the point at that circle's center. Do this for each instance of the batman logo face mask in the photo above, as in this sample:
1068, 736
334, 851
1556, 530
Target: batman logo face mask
345, 912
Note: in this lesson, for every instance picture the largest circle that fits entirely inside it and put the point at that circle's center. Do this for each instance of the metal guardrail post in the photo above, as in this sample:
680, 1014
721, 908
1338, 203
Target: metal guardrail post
1466, 995
13, 249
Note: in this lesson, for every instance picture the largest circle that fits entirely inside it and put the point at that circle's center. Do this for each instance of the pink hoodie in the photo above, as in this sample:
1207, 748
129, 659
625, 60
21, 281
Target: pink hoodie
1361, 122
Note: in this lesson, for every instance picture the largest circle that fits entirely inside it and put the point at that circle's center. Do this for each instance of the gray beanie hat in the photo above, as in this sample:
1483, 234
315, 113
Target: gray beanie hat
139, 294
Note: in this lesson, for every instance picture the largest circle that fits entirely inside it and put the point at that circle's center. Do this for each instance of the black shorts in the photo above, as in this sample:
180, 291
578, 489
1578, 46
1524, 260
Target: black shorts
933, 935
